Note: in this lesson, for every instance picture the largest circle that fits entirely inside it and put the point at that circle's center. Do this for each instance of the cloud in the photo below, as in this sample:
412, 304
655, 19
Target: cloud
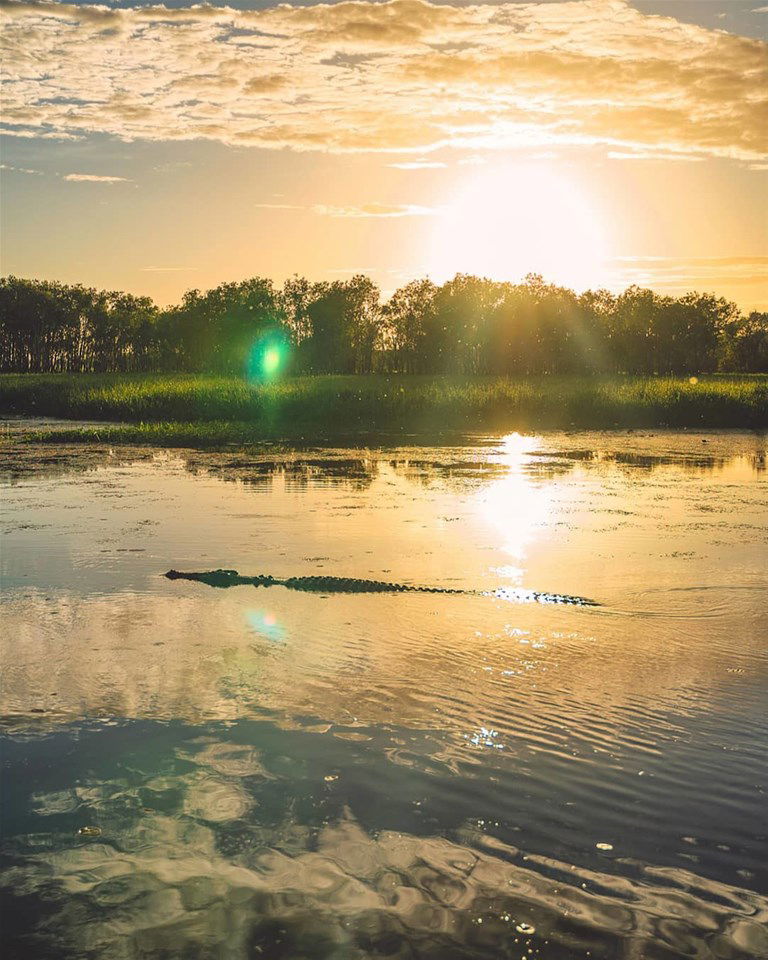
402, 75
266, 84
279, 206
34, 173
675, 275
651, 155
376, 210
418, 165
364, 210
93, 178
37, 134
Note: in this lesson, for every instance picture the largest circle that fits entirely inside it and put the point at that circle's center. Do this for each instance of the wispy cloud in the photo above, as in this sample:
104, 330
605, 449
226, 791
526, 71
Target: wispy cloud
172, 166
402, 75
35, 133
418, 165
376, 210
72, 177
353, 211
686, 273
93, 178
11, 169
651, 155
279, 206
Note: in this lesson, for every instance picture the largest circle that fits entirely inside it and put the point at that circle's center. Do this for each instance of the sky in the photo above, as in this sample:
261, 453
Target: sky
600, 143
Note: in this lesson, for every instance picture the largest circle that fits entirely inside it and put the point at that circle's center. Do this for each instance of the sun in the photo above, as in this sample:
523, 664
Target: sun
516, 219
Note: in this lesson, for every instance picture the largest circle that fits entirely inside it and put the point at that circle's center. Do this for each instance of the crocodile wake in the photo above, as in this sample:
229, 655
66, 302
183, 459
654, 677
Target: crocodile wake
231, 578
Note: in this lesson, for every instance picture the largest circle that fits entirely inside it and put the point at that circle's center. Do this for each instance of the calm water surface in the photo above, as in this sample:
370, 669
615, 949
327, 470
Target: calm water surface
260, 773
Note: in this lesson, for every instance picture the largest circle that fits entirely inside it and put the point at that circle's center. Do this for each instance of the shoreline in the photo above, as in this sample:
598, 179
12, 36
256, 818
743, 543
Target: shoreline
208, 411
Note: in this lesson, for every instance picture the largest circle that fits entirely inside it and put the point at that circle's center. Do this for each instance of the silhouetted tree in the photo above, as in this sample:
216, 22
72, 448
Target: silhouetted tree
343, 322
216, 330
295, 298
469, 325
744, 344
406, 318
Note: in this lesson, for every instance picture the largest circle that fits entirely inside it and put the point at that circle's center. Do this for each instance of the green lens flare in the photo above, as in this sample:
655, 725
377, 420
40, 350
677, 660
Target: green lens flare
270, 362
268, 357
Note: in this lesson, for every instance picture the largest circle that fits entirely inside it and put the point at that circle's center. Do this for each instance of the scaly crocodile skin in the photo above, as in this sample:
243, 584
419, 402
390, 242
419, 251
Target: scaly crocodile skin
231, 578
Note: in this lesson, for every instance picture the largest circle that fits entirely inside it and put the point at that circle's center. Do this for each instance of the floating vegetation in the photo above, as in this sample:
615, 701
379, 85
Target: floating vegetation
89, 832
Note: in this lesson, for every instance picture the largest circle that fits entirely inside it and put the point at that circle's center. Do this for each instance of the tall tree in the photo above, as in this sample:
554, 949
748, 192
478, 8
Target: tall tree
469, 325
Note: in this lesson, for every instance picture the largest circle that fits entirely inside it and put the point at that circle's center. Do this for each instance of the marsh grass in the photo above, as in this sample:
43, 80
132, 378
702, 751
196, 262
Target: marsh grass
204, 410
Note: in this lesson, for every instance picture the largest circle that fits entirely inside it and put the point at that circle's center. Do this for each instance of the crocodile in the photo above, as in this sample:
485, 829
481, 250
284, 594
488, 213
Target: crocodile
323, 584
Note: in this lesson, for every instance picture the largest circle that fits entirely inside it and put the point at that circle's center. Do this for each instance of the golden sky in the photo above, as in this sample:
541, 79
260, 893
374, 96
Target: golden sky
599, 142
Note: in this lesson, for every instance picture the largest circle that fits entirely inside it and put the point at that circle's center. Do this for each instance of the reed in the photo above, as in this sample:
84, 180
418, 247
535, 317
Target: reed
208, 410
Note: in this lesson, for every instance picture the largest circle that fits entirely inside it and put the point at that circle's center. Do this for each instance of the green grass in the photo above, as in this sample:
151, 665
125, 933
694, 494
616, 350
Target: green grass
197, 410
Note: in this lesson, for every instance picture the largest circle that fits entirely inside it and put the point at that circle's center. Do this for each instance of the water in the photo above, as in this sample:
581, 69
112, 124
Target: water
261, 773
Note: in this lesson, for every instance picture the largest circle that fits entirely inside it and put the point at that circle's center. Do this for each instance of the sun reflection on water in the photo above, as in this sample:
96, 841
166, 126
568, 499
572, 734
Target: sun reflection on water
513, 505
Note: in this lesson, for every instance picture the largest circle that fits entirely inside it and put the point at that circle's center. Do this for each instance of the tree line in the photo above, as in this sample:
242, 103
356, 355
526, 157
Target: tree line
468, 325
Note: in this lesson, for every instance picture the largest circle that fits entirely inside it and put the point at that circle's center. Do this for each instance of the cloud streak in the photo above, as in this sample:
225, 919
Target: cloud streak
384, 210
27, 170
93, 178
363, 211
651, 155
404, 75
675, 275
418, 165
279, 206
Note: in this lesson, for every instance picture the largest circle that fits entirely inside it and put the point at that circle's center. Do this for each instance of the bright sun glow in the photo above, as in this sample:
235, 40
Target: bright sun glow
517, 219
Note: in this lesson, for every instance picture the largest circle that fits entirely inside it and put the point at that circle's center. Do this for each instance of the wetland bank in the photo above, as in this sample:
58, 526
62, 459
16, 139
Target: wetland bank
247, 773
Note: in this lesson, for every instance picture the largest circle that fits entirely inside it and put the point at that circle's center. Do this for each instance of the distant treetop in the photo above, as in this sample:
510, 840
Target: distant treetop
469, 325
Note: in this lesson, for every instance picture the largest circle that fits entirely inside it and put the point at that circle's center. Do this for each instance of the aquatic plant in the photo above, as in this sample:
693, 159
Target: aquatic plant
188, 409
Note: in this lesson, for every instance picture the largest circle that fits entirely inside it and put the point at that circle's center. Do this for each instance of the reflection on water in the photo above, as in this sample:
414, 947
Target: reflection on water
264, 773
